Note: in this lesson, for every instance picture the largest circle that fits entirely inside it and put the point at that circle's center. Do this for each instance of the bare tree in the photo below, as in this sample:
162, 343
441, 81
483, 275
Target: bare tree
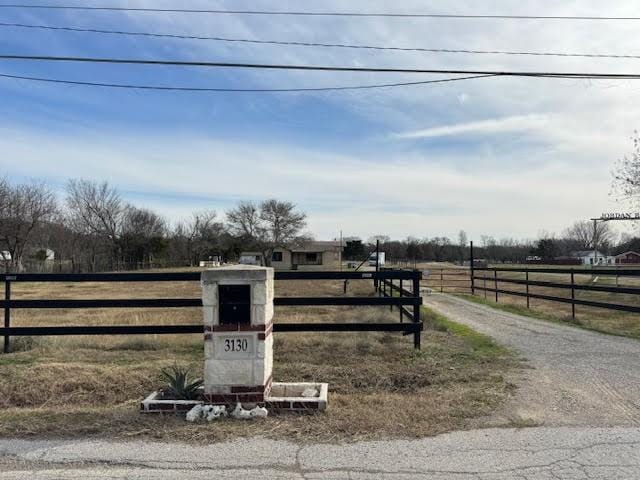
462, 244
201, 235
96, 210
244, 220
23, 208
268, 226
587, 235
626, 173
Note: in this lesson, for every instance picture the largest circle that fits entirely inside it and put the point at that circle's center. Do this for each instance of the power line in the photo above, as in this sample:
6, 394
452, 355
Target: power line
313, 44
317, 14
237, 90
183, 63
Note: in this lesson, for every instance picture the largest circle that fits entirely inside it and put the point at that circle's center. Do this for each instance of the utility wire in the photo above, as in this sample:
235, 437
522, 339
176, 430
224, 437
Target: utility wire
182, 63
317, 14
313, 44
238, 90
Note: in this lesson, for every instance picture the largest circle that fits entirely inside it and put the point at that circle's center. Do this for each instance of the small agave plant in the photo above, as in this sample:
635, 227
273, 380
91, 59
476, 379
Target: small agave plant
179, 384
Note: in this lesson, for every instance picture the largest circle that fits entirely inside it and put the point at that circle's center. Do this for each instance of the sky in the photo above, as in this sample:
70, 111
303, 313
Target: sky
506, 157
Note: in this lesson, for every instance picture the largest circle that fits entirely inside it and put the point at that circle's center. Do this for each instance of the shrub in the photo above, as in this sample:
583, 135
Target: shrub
179, 384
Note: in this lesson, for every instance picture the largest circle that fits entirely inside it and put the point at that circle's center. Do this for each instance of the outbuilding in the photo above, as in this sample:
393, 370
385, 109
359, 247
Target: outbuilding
628, 258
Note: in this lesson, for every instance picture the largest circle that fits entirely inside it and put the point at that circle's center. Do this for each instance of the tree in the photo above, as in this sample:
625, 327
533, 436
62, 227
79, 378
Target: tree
378, 238
267, 226
95, 208
142, 236
23, 208
354, 249
462, 243
626, 173
588, 235
202, 235
413, 248
546, 248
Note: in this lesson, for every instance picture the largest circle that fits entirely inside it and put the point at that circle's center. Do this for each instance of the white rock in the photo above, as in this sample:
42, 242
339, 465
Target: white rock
215, 412
241, 413
258, 412
195, 413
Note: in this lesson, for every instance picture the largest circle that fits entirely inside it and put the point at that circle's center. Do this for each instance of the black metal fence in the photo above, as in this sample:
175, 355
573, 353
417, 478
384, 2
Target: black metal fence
408, 299
387, 289
491, 280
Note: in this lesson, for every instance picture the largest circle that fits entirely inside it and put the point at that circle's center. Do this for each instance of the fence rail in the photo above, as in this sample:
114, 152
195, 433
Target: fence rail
492, 276
409, 298
454, 279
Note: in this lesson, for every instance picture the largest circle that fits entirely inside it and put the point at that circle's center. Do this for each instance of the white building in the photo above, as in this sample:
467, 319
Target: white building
589, 257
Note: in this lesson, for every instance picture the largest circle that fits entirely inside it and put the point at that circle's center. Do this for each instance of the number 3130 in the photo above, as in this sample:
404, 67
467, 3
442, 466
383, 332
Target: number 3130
236, 345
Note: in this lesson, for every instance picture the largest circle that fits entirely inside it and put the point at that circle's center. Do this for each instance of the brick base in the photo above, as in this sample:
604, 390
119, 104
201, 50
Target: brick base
233, 398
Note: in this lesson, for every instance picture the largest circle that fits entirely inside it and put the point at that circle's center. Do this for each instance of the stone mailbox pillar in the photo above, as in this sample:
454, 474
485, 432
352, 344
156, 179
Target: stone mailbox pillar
238, 342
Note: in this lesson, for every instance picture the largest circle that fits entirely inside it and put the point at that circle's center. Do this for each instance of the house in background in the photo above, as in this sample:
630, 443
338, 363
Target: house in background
628, 258
314, 255
250, 258
589, 257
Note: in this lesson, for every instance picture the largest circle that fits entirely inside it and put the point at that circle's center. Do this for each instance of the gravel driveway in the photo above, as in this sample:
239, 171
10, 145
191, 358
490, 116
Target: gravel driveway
577, 377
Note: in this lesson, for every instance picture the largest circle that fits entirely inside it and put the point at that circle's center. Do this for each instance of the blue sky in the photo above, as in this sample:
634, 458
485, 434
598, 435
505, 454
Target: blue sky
500, 156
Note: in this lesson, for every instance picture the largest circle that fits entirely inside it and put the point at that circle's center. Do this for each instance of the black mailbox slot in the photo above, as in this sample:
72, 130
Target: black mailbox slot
235, 304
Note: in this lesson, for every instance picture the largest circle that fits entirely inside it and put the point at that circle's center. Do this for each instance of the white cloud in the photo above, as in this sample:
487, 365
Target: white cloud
517, 123
411, 194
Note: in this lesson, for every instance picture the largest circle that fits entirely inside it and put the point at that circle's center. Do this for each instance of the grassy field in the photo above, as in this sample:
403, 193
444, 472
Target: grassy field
379, 386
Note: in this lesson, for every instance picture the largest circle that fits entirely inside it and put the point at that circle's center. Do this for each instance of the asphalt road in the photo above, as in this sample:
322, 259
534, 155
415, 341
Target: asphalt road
532, 453
577, 377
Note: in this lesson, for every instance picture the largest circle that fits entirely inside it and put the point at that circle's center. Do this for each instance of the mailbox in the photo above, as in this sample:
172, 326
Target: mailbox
235, 304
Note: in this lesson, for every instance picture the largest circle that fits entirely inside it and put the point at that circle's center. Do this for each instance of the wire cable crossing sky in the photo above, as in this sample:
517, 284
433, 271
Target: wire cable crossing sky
325, 68
315, 44
320, 14
238, 90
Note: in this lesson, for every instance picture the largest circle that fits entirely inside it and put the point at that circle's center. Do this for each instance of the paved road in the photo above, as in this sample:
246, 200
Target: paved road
494, 454
577, 377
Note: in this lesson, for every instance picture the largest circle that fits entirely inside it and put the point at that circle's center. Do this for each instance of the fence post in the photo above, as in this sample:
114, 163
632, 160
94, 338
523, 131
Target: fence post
391, 293
471, 262
485, 285
495, 283
416, 308
400, 308
7, 312
527, 285
377, 259
573, 297
442, 280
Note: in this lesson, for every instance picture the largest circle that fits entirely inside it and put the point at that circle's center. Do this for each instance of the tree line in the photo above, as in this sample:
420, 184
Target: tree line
92, 228
582, 235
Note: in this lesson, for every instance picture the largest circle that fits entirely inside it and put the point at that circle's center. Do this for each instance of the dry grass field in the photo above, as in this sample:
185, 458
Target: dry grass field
379, 386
